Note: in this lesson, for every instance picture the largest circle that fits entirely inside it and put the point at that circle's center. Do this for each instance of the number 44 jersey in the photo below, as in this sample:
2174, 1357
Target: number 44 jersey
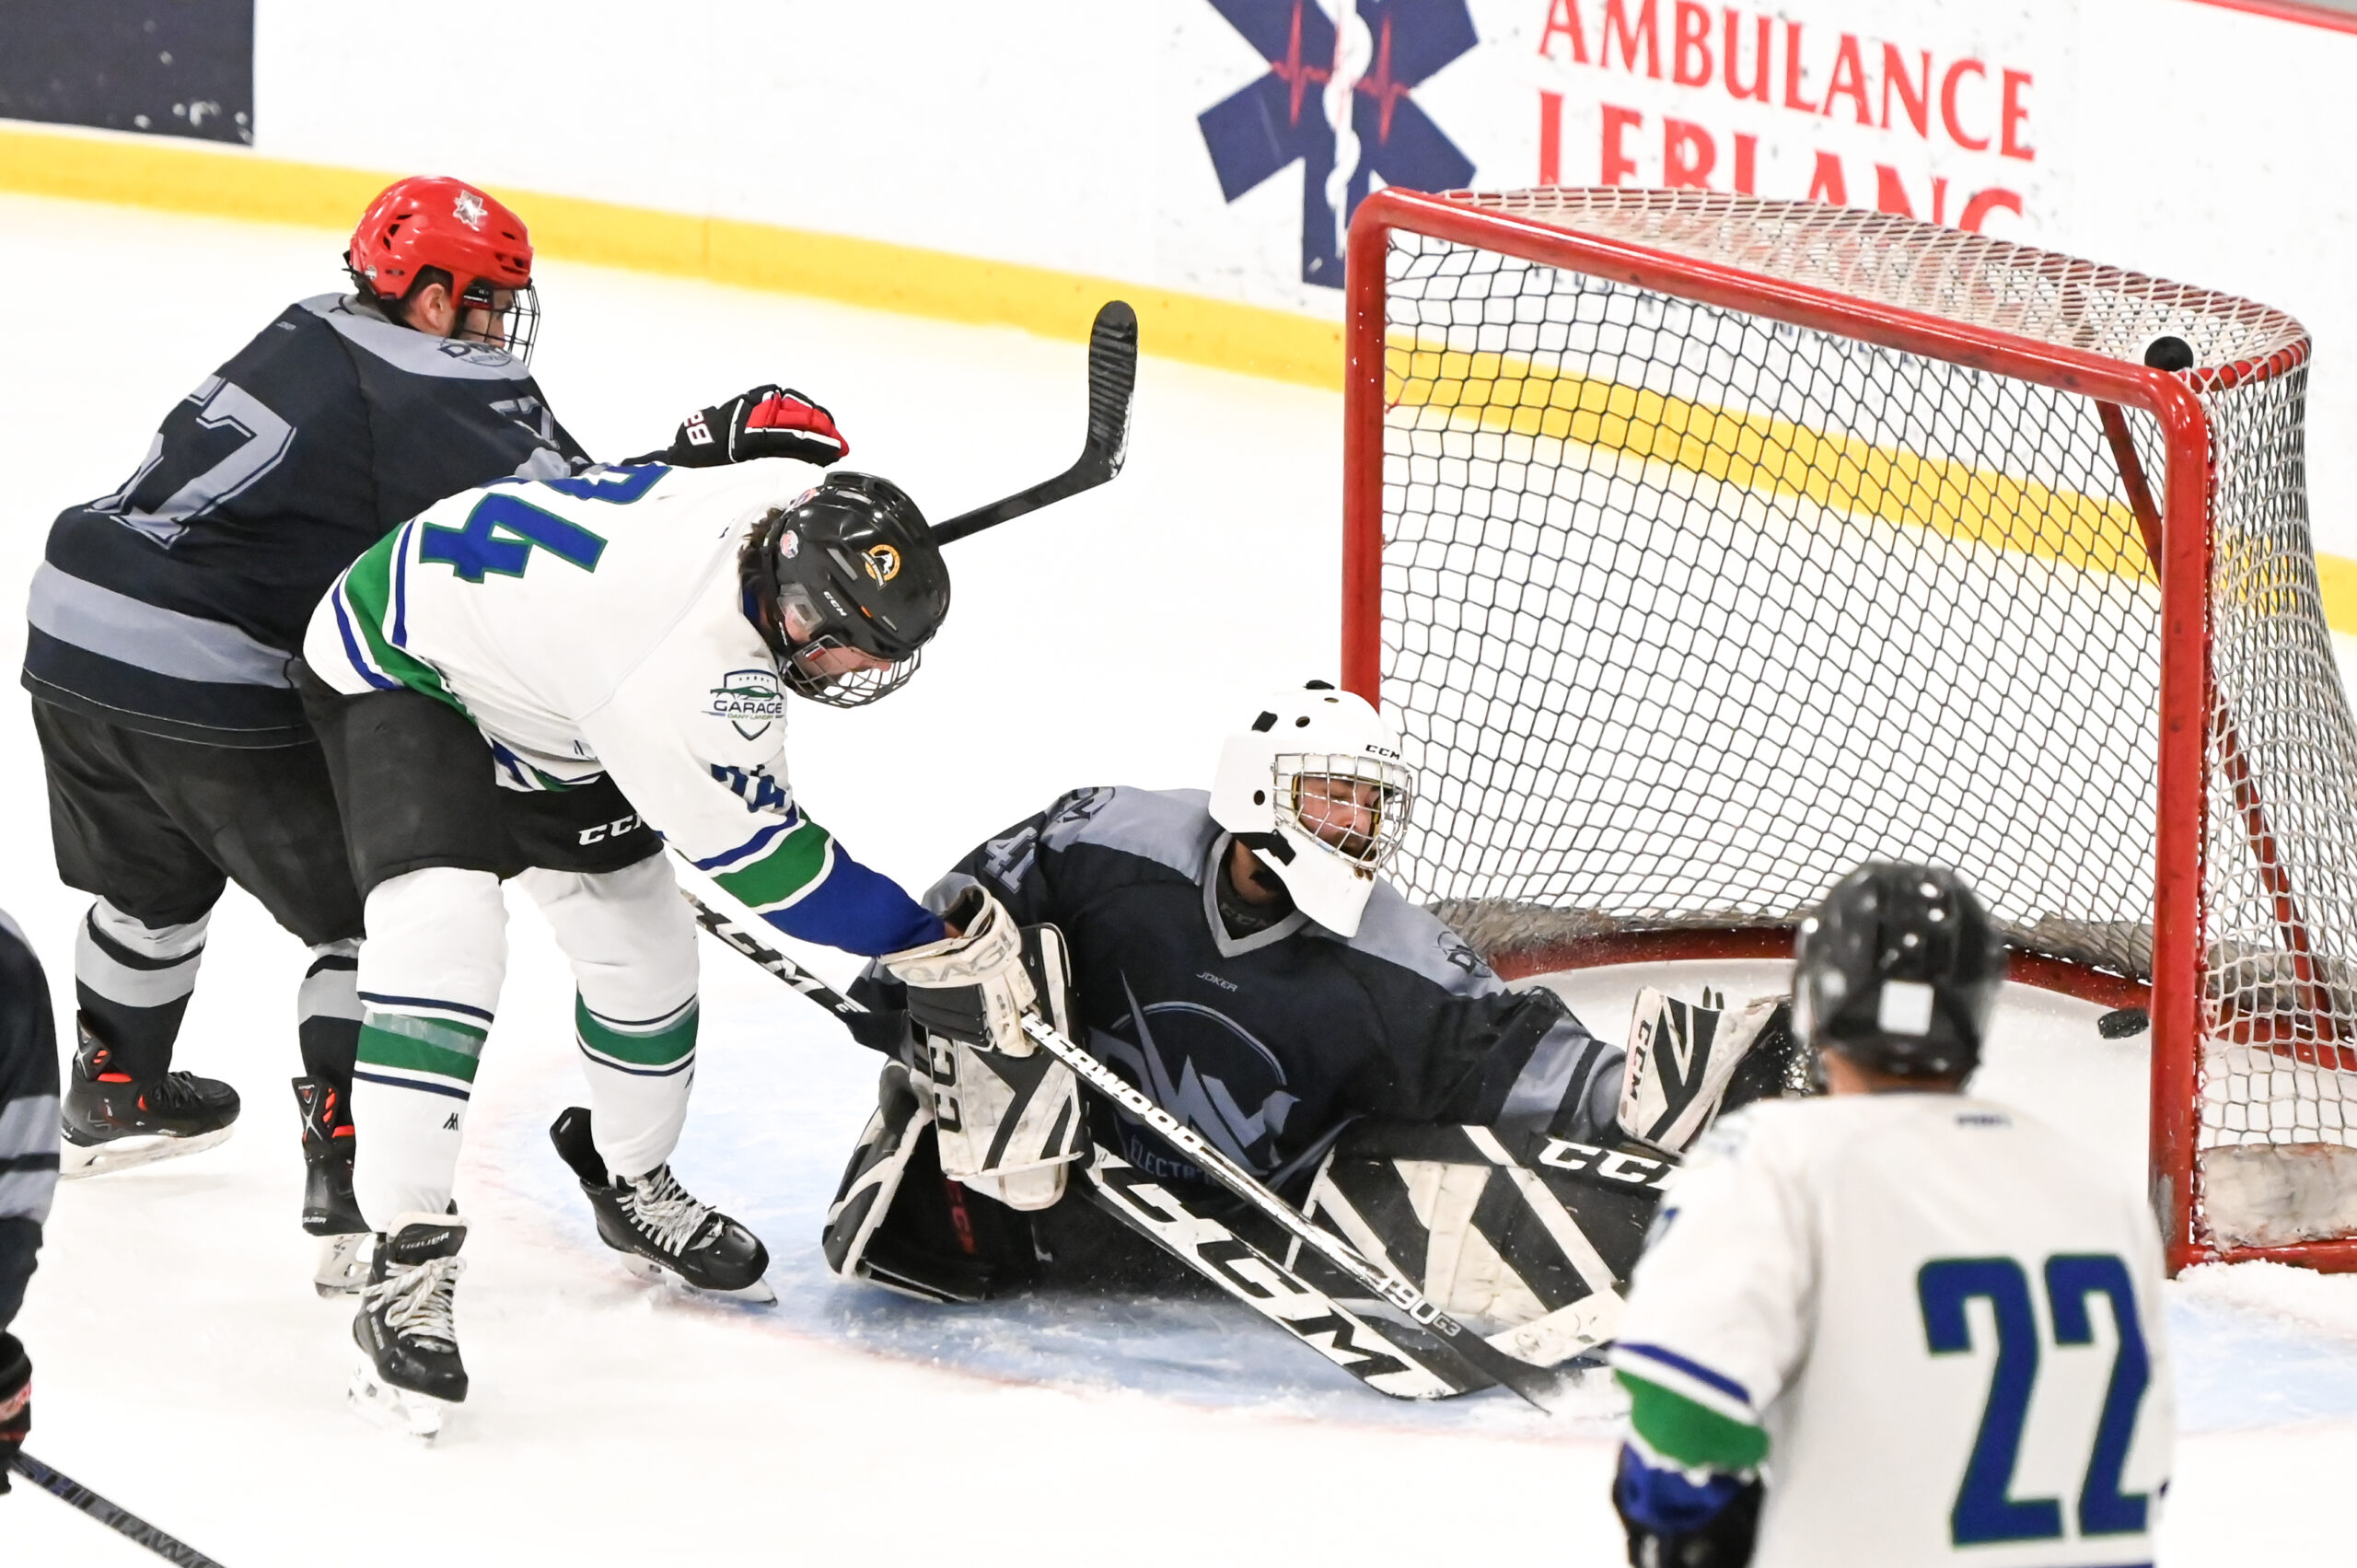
1943, 1317
597, 625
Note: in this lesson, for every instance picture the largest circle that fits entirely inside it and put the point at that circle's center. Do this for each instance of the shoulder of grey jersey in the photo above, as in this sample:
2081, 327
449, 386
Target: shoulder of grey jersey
1171, 827
411, 351
1414, 939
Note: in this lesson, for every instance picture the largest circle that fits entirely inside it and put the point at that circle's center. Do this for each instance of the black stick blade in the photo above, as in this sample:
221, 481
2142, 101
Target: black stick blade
1112, 379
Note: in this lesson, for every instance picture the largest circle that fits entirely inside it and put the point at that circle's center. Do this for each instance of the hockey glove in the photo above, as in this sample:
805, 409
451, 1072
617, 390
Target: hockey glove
16, 1402
1009, 1125
1675, 1521
972, 987
767, 421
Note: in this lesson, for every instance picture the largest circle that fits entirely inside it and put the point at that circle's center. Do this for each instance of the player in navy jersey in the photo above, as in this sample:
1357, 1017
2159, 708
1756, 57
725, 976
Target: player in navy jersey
166, 615
1238, 957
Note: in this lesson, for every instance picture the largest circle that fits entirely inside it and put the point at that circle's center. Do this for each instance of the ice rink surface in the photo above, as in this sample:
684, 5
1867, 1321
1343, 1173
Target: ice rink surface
186, 1369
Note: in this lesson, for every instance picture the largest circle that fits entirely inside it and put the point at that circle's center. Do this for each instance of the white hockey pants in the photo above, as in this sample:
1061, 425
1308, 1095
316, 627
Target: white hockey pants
430, 974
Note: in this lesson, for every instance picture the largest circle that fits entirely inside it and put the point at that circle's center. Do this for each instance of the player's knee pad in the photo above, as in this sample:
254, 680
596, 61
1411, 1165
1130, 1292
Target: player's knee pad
1009, 1126
628, 934
898, 1223
437, 938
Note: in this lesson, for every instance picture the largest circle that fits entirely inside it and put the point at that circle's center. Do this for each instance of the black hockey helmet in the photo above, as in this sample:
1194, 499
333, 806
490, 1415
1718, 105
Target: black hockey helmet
850, 565
1897, 969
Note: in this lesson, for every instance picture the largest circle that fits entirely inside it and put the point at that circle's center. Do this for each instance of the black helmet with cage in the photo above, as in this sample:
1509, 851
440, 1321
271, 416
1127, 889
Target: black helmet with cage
849, 564
1897, 969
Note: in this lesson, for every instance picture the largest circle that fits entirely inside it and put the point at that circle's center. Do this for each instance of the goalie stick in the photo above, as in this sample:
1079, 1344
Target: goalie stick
120, 1520
1368, 1349
1112, 376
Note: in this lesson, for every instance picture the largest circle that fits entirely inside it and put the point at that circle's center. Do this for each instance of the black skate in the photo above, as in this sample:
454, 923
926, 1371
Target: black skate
410, 1367
656, 1224
329, 1211
112, 1121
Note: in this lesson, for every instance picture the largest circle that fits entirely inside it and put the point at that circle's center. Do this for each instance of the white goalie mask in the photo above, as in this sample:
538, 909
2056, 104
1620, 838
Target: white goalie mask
1317, 789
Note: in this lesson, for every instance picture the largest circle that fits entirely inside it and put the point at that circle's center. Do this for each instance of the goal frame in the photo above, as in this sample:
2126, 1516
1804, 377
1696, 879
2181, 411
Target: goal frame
2176, 526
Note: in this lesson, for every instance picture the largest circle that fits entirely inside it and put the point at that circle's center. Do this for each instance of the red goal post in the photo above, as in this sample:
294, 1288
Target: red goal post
1704, 547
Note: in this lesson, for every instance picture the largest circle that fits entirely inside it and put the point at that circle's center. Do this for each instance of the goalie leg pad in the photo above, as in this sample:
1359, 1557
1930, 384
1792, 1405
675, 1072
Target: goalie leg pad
1010, 1126
1682, 1059
898, 1223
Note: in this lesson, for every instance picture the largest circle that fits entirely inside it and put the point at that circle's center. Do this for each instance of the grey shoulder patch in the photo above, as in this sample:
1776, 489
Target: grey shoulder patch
1398, 933
414, 352
1171, 827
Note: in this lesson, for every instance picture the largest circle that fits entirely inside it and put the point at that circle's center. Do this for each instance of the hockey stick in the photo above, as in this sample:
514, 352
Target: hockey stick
1520, 1376
118, 1519
1463, 1343
1112, 375
1371, 1351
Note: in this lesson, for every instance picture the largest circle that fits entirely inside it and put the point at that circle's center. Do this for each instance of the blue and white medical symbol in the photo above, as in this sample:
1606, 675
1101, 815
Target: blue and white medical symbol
1336, 99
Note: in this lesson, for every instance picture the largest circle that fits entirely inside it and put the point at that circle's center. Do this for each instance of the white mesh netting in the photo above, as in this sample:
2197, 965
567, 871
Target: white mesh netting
1687, 612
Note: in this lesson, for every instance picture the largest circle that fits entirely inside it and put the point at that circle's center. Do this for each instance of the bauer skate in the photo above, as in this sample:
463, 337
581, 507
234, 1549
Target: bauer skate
329, 1211
659, 1227
409, 1369
112, 1121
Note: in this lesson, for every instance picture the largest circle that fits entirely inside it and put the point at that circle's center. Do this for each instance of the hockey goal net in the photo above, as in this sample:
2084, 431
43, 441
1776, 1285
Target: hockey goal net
1704, 548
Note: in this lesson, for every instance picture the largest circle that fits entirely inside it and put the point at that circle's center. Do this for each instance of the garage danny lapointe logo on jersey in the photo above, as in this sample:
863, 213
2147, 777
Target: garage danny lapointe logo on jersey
749, 698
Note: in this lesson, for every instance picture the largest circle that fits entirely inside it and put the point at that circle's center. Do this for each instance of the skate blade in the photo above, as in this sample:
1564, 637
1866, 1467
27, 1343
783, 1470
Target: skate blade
75, 1160
381, 1405
758, 1294
343, 1264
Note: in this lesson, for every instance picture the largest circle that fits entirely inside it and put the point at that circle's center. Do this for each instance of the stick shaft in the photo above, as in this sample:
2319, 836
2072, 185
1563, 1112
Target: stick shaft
117, 1518
1522, 1377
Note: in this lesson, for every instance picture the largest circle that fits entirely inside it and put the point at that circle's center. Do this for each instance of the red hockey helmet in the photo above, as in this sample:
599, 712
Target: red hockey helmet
434, 221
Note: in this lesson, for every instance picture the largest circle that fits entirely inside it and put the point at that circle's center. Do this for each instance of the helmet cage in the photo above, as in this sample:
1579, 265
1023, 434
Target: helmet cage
854, 689
512, 326
1318, 792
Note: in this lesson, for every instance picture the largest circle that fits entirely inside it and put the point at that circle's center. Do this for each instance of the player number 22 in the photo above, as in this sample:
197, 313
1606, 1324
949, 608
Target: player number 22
1985, 1509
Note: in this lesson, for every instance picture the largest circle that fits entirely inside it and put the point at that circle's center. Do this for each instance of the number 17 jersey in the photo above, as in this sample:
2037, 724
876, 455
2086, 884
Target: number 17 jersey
1944, 1316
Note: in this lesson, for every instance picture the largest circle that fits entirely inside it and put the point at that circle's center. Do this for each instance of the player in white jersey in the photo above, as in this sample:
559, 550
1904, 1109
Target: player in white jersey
1898, 1325
503, 685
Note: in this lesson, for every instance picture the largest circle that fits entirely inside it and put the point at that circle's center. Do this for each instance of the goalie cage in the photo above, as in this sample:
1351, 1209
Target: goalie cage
1705, 547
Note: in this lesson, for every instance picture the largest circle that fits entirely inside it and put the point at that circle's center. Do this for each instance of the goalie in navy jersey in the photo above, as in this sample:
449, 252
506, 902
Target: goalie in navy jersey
165, 619
1237, 956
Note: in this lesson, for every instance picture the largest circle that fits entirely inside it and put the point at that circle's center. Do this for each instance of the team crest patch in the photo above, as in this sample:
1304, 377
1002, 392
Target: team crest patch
470, 210
751, 700
883, 562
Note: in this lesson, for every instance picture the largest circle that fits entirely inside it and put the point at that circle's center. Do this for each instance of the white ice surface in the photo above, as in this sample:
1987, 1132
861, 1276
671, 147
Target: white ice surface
186, 1369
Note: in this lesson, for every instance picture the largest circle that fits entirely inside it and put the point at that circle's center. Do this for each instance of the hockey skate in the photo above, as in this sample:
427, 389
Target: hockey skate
410, 1368
659, 1227
329, 1210
112, 1121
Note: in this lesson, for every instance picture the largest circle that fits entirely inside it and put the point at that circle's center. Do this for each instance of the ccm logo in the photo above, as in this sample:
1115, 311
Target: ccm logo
604, 830
1633, 1170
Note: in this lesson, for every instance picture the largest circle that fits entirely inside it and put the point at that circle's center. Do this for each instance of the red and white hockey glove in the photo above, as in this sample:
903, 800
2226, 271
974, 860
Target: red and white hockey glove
767, 421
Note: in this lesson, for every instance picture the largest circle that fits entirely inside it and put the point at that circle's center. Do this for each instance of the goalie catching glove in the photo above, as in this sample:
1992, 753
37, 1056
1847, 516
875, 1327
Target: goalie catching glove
767, 421
1007, 1114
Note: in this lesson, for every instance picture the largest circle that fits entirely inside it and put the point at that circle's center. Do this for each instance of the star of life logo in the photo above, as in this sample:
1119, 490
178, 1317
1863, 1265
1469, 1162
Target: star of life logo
751, 700
1336, 99
469, 209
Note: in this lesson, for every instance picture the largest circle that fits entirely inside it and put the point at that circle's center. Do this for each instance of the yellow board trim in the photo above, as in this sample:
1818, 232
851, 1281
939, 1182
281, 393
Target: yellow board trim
1506, 394
191, 177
